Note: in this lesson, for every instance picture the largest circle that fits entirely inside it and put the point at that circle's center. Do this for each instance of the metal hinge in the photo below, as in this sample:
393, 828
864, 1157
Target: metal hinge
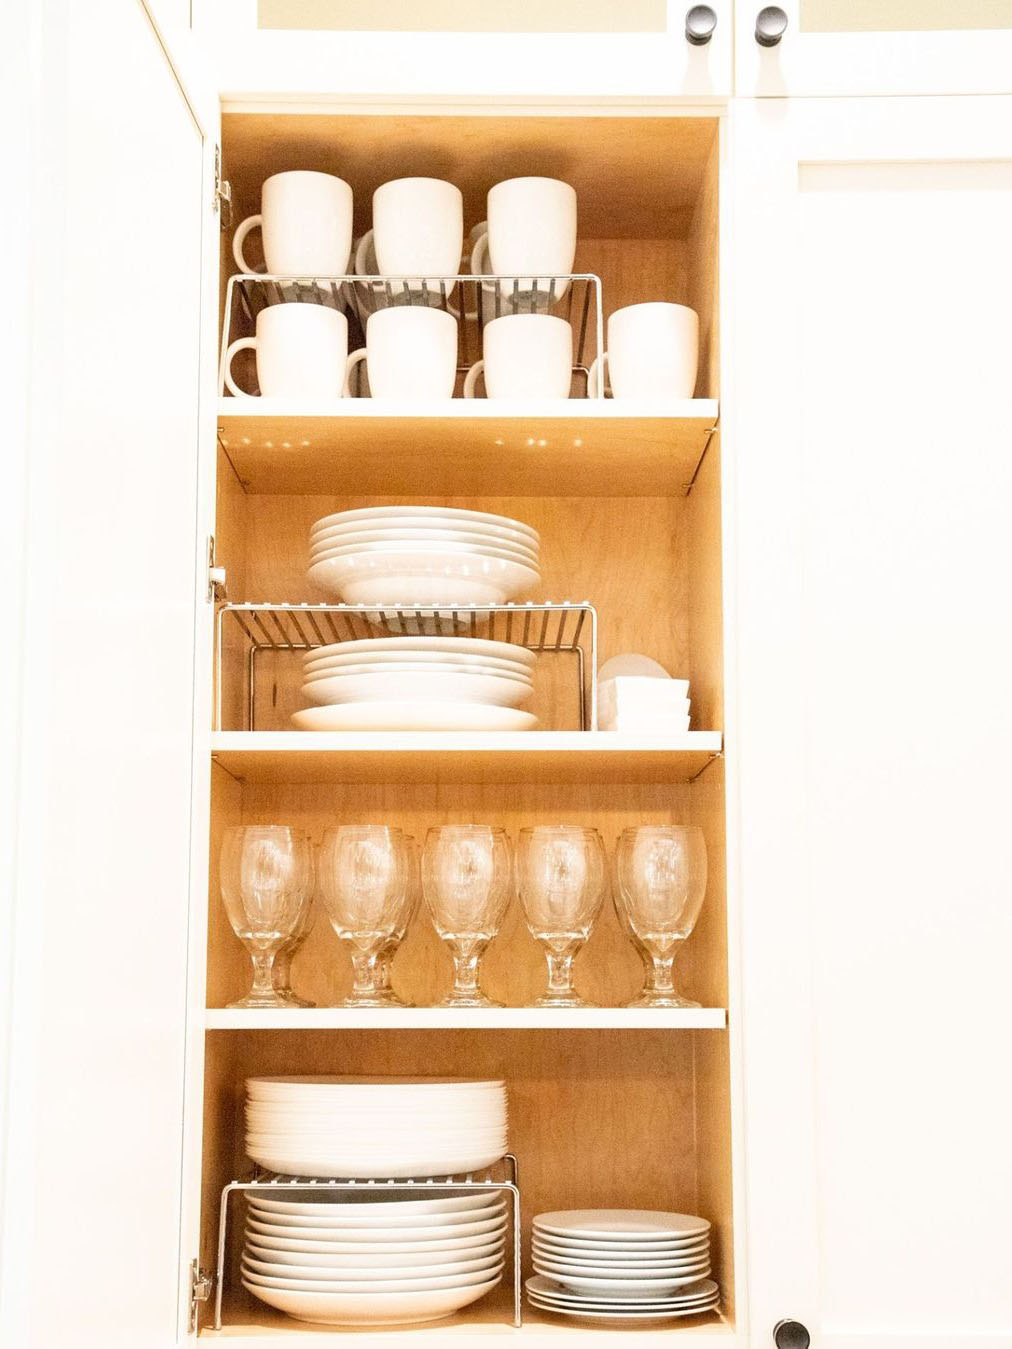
216, 576
222, 192
201, 1288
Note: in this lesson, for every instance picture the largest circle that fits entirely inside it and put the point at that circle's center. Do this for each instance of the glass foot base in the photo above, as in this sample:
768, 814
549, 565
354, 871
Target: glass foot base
260, 1000
563, 1000
373, 1000
292, 999
468, 1000
662, 1000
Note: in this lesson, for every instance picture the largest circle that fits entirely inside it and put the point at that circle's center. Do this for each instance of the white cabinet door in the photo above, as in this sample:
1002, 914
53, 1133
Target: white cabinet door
841, 47
428, 50
871, 290
120, 205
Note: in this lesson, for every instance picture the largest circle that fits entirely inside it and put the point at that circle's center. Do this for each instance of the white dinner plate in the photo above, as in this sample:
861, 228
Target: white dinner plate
360, 1309
688, 1307
427, 514
548, 1290
392, 1223
430, 647
365, 1273
641, 1251
375, 1257
380, 1205
404, 716
490, 1227
375, 1287
420, 685
620, 1318
300, 1241
630, 1224
610, 1270
622, 1288
394, 1166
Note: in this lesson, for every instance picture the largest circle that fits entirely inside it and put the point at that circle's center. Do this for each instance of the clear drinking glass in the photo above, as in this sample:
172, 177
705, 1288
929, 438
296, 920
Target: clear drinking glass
266, 877
384, 989
563, 878
365, 883
661, 873
283, 962
467, 880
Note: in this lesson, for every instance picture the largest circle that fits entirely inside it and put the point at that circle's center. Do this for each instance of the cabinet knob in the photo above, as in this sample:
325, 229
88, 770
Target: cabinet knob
788, 1334
700, 22
770, 26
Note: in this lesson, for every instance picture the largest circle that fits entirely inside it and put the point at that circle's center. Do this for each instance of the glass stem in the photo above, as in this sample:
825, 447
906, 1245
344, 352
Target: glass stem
661, 980
560, 972
263, 972
364, 967
465, 971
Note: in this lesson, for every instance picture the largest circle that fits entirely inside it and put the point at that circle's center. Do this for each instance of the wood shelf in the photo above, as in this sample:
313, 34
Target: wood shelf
465, 1018
578, 447
463, 756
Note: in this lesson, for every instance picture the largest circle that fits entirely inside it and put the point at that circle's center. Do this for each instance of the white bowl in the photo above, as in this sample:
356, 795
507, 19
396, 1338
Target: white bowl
632, 663
420, 686
417, 581
360, 1309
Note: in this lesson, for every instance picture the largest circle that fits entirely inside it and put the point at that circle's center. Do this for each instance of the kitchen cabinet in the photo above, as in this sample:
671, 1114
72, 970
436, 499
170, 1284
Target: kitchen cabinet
872, 286
759, 539
836, 48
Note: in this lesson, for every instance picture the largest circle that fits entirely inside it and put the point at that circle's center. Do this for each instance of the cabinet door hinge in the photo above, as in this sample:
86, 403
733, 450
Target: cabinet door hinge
216, 577
201, 1287
222, 192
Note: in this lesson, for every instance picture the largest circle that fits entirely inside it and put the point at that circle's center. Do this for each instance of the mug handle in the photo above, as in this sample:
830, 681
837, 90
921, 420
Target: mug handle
595, 373
353, 360
238, 239
471, 378
241, 344
480, 245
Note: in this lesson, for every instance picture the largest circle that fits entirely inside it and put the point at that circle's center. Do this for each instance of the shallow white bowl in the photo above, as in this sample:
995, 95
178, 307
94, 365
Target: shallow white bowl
396, 534
437, 578
394, 1206
361, 1309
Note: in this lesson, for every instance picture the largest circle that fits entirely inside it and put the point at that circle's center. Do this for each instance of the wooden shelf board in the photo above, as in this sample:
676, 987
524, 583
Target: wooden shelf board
463, 756
456, 1018
579, 447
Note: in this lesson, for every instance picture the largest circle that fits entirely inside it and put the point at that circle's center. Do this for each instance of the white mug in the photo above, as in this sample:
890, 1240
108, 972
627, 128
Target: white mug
524, 356
531, 234
418, 226
306, 219
411, 352
653, 352
301, 351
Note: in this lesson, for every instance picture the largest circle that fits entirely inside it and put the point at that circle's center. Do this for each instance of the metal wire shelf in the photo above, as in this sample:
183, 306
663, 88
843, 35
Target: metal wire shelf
471, 298
266, 1181
557, 629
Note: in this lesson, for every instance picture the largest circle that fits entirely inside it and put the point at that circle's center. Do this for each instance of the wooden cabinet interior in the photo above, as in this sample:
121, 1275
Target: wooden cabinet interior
623, 1117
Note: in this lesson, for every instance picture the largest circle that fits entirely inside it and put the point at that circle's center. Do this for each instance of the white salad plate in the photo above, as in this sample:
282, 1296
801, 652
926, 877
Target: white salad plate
405, 716
424, 549
628, 1224
484, 1265
453, 516
376, 1257
423, 580
421, 685
378, 1287
372, 1205
407, 526
607, 1270
474, 539
628, 1318
360, 1309
622, 1262
323, 1240
549, 1291
622, 1288
398, 1246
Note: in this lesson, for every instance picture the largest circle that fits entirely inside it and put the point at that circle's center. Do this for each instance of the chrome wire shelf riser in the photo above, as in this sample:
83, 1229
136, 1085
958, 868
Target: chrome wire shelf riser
473, 299
266, 1181
553, 629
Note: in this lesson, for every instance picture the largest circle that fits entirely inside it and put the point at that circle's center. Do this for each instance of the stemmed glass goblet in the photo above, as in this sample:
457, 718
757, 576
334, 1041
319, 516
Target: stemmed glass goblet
266, 877
365, 883
409, 908
563, 879
661, 873
283, 962
467, 879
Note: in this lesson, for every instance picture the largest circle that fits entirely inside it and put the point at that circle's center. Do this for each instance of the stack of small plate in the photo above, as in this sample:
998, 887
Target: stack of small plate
374, 1127
622, 1265
417, 683
422, 556
352, 1258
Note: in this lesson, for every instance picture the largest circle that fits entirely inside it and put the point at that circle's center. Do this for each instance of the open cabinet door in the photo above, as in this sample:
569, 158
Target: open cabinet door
114, 629
872, 287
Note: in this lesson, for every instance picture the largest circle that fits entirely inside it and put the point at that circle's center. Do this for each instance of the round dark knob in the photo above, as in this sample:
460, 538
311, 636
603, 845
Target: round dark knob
770, 26
700, 22
788, 1334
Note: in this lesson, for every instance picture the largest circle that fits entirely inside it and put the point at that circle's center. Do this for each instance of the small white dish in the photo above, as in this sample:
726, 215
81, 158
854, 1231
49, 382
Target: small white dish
406, 716
361, 1309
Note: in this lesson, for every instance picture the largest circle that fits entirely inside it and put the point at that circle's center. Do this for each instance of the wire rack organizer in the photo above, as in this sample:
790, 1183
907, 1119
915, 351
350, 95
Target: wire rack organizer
266, 1182
557, 629
472, 299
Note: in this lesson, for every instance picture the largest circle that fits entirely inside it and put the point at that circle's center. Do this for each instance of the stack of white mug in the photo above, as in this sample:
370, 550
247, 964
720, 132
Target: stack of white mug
411, 345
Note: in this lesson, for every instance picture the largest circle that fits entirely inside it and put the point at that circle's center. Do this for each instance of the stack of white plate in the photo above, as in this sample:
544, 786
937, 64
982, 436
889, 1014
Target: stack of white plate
622, 1264
374, 1127
370, 1259
422, 556
417, 683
